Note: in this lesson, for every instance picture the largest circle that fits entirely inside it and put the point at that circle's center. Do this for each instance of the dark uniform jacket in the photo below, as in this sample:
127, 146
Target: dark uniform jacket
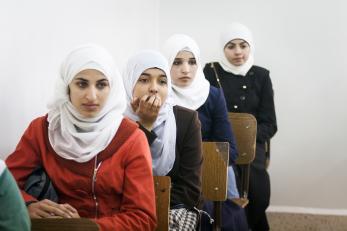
186, 171
252, 94
215, 125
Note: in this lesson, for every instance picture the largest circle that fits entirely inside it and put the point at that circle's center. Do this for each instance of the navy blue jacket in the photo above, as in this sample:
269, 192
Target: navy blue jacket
215, 125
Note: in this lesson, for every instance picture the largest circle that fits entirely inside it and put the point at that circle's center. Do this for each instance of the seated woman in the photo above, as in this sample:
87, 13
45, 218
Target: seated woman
98, 161
172, 132
13, 214
248, 89
193, 91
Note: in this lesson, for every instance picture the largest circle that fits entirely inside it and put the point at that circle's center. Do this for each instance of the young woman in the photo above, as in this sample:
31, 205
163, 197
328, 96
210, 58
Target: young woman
192, 90
247, 88
98, 161
13, 213
172, 132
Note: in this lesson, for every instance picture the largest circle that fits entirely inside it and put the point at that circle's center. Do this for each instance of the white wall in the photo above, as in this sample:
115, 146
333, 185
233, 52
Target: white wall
36, 35
303, 43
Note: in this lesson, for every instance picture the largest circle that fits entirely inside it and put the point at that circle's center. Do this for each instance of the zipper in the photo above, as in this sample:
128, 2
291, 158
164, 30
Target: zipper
96, 168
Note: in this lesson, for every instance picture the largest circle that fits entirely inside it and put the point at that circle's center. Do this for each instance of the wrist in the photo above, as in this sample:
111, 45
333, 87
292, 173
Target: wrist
27, 203
146, 125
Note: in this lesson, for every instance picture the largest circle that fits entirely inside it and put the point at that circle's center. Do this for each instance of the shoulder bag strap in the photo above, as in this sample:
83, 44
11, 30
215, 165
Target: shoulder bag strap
216, 75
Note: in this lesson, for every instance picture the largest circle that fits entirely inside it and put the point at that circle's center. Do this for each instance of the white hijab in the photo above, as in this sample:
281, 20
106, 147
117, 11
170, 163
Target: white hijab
164, 146
72, 136
237, 31
194, 95
2, 166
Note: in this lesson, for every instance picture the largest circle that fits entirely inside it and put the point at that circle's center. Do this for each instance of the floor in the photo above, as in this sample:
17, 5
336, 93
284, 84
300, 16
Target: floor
306, 222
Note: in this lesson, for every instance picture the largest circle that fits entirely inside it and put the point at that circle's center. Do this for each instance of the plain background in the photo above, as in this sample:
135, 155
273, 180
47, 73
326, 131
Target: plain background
302, 43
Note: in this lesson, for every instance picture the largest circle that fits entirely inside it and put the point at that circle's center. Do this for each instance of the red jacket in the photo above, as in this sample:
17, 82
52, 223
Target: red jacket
124, 188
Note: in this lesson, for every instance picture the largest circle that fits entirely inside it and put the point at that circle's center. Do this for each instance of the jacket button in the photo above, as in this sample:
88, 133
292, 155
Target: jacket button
235, 106
242, 97
244, 87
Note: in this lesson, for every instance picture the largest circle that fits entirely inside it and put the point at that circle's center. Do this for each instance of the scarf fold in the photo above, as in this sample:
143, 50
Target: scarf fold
194, 95
71, 135
236, 31
2, 166
163, 149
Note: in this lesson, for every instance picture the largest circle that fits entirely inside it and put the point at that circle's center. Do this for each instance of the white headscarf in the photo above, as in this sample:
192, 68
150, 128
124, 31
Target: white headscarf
194, 95
72, 136
237, 31
164, 146
2, 166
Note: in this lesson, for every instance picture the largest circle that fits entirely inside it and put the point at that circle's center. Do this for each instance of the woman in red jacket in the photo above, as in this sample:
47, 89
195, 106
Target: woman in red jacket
98, 161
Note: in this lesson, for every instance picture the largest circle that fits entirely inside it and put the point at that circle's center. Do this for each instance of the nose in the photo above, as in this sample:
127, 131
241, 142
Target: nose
237, 50
153, 88
91, 93
185, 67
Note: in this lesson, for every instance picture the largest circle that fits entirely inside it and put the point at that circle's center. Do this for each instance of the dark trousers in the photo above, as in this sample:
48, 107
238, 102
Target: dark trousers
259, 199
233, 217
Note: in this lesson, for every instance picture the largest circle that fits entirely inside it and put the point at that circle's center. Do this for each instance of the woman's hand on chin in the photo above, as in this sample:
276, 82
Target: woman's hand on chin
147, 109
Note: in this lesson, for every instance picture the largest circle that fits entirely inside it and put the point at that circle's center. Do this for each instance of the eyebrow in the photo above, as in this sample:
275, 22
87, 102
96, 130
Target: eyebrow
102, 80
183, 58
81, 79
85, 80
146, 74
233, 43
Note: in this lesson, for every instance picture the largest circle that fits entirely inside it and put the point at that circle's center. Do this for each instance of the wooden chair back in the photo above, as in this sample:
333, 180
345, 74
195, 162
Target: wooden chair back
162, 185
244, 127
215, 177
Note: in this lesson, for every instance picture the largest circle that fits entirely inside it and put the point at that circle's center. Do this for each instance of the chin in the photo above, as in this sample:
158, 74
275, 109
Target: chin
185, 84
238, 64
90, 115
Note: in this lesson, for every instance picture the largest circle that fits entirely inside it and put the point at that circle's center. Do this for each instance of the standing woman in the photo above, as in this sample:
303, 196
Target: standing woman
247, 88
98, 162
193, 91
173, 133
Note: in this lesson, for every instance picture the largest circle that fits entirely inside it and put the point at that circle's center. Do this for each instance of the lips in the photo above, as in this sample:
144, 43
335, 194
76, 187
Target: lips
185, 78
90, 106
238, 60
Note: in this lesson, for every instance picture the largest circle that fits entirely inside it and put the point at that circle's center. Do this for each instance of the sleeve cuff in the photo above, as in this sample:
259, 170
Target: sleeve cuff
151, 136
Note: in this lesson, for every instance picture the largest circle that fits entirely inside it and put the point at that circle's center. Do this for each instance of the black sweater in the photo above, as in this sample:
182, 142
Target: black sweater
186, 171
252, 94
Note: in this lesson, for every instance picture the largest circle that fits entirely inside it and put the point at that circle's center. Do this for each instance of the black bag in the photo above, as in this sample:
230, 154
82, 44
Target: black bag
40, 186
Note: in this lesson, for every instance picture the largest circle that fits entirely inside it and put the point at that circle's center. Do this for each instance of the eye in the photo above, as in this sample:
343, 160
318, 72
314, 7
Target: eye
192, 61
82, 84
177, 62
143, 79
230, 46
163, 81
101, 85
